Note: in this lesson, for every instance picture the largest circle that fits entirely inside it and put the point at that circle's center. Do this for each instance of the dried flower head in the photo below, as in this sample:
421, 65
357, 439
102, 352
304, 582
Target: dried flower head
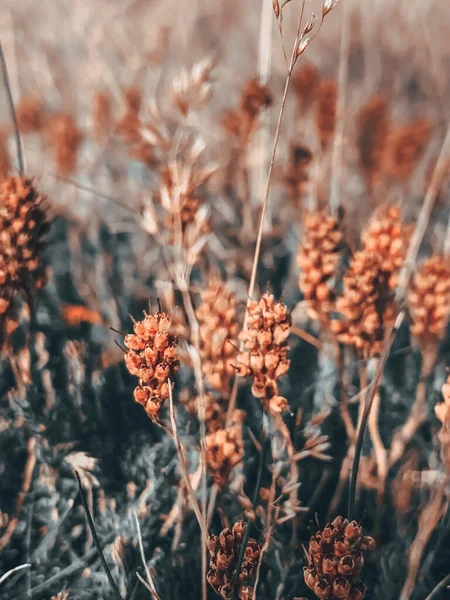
217, 316
224, 450
327, 93
367, 303
152, 356
296, 176
65, 139
373, 130
336, 559
405, 147
23, 223
318, 260
101, 117
242, 122
30, 114
305, 84
224, 549
266, 348
429, 300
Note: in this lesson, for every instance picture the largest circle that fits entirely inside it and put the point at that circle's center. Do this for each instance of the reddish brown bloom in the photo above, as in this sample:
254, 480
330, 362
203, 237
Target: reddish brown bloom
65, 139
224, 549
336, 560
23, 223
153, 358
373, 130
266, 348
327, 94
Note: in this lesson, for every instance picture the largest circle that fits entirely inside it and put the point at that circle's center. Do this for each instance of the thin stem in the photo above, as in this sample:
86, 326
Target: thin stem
150, 583
12, 111
338, 143
422, 220
95, 538
183, 465
390, 336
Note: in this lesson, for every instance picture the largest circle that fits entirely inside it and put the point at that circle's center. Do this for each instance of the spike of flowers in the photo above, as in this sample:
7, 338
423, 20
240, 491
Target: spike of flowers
429, 301
318, 260
367, 303
336, 559
65, 139
405, 146
152, 356
373, 130
224, 450
266, 348
327, 94
224, 549
23, 223
217, 316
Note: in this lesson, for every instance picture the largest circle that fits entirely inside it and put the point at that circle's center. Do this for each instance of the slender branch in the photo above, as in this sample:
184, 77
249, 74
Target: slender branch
439, 588
389, 340
12, 110
151, 584
95, 538
338, 143
422, 220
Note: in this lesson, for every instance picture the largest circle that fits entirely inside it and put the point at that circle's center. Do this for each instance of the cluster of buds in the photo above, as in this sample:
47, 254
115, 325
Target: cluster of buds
364, 306
241, 123
224, 549
443, 414
336, 560
373, 130
405, 147
386, 237
327, 94
152, 356
101, 117
296, 176
429, 301
224, 449
367, 303
318, 260
65, 139
305, 83
22, 226
217, 316
266, 348
30, 114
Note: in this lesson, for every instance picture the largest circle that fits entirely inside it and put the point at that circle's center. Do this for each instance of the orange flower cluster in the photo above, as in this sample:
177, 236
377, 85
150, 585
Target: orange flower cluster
224, 549
327, 94
152, 356
65, 139
217, 316
296, 176
30, 114
318, 260
101, 117
23, 223
266, 348
241, 123
373, 130
224, 450
336, 560
366, 305
405, 147
429, 300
